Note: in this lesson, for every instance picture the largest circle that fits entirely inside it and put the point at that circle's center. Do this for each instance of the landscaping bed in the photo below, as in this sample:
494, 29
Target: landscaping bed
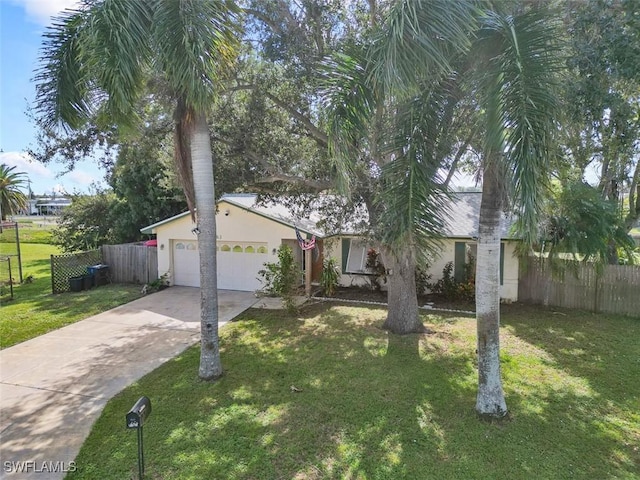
366, 294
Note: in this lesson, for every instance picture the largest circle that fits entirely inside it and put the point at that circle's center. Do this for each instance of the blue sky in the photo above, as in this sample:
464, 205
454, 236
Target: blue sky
22, 23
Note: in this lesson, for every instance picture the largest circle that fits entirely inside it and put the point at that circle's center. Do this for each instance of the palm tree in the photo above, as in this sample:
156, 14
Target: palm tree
516, 88
380, 134
94, 62
508, 72
579, 221
12, 199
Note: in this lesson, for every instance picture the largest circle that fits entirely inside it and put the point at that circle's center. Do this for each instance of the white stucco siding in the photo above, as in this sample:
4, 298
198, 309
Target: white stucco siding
234, 226
246, 226
508, 289
179, 229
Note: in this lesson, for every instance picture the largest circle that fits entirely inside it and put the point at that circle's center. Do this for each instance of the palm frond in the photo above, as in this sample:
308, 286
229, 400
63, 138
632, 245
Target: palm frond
582, 223
523, 59
350, 102
419, 39
62, 84
118, 48
413, 204
196, 42
12, 199
93, 58
402, 143
413, 197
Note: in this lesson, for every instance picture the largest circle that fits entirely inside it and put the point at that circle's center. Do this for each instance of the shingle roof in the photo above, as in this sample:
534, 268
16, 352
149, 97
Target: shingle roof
464, 215
247, 201
275, 211
461, 221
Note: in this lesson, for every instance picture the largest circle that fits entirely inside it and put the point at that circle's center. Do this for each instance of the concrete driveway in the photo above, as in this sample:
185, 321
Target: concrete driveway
53, 387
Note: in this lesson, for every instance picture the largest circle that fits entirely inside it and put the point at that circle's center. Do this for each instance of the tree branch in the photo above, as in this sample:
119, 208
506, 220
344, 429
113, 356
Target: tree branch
285, 14
456, 160
264, 19
273, 177
316, 185
318, 135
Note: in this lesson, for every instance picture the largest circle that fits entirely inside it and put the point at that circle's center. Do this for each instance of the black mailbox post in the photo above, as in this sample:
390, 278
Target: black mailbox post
136, 418
139, 413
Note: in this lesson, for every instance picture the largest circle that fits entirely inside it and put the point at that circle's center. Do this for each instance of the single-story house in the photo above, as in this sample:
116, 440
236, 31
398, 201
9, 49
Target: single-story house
249, 234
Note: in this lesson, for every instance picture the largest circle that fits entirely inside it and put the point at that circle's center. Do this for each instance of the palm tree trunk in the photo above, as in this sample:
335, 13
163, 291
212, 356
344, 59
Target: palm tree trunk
490, 401
202, 160
402, 316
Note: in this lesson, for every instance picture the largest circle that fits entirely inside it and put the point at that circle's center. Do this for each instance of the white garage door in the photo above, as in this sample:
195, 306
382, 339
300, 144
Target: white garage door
238, 264
186, 263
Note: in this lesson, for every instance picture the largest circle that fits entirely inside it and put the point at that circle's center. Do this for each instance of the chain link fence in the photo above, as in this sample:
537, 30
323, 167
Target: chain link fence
10, 247
6, 279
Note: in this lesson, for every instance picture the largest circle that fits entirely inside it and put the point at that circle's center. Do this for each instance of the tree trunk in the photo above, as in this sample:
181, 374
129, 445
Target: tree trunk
402, 316
202, 160
490, 401
634, 199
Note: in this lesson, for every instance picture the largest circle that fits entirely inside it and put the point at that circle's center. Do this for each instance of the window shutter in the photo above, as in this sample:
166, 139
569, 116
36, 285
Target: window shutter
459, 261
346, 243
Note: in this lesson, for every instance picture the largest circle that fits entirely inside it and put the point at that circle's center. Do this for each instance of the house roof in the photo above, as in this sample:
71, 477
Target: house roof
150, 229
276, 211
248, 201
461, 222
464, 215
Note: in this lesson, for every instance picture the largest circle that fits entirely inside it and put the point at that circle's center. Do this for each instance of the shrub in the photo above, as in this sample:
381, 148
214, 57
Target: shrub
282, 279
446, 286
452, 290
422, 280
627, 257
377, 270
86, 224
330, 276
157, 285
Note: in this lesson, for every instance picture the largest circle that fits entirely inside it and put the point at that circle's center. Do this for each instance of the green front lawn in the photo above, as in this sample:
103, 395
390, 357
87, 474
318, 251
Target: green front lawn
30, 230
378, 406
34, 310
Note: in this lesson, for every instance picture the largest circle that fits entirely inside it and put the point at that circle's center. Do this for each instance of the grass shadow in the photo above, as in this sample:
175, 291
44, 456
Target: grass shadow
601, 349
365, 404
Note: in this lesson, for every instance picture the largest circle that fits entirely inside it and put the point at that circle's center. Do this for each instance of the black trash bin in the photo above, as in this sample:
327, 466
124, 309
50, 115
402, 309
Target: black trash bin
76, 284
87, 281
100, 273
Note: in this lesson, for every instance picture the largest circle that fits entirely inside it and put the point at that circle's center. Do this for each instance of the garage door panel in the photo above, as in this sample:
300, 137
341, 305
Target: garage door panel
238, 264
239, 271
186, 263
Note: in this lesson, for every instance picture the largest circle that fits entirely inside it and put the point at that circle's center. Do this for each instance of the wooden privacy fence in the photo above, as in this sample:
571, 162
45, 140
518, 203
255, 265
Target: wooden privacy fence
614, 290
131, 263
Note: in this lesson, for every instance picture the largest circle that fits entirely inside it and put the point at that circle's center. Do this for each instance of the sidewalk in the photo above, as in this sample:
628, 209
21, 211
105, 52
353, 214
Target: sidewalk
53, 387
